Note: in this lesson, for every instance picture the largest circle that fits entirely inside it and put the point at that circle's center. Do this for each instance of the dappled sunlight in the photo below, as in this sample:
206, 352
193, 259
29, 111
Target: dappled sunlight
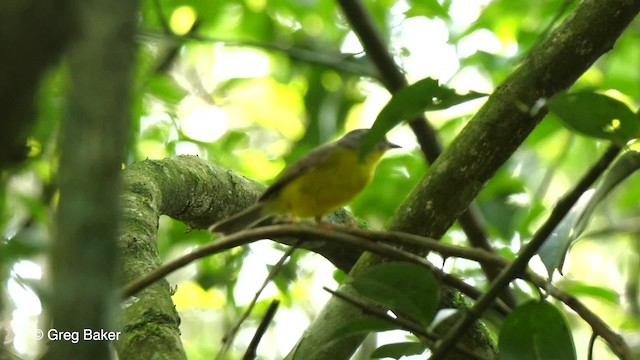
253, 86
204, 123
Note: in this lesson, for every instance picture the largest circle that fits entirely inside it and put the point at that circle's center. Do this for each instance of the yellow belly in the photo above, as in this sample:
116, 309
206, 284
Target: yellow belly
326, 187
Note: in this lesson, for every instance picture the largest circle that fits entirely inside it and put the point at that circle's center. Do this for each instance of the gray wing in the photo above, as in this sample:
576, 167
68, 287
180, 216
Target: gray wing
311, 159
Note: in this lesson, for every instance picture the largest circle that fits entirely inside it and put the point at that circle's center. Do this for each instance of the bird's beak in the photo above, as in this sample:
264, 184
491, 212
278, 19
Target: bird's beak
391, 145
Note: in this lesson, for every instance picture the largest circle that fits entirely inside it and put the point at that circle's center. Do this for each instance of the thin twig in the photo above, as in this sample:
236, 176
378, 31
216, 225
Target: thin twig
424, 243
344, 235
226, 243
592, 342
335, 60
401, 322
251, 352
228, 338
307, 233
519, 265
393, 79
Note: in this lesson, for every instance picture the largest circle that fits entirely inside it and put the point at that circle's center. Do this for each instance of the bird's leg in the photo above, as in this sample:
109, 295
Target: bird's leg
285, 219
324, 224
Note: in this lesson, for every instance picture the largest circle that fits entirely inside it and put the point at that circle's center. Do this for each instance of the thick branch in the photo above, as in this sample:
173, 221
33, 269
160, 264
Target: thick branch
488, 141
196, 192
373, 241
531, 249
84, 266
394, 80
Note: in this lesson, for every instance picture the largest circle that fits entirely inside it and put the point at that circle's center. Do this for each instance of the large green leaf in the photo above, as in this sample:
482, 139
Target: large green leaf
596, 115
627, 164
555, 248
405, 288
581, 289
536, 330
166, 89
398, 350
410, 102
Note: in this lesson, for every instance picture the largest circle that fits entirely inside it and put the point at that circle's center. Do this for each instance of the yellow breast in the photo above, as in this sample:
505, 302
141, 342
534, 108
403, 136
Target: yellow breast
333, 183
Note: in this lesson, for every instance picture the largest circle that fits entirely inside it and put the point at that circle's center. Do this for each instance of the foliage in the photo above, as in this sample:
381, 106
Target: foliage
254, 85
538, 327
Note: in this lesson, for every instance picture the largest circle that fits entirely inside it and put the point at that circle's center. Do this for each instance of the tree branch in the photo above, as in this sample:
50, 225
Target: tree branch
394, 80
487, 141
402, 323
519, 265
191, 190
367, 240
84, 256
250, 354
230, 335
338, 61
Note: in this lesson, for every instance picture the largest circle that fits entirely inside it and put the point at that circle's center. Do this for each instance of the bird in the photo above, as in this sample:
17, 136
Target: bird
325, 179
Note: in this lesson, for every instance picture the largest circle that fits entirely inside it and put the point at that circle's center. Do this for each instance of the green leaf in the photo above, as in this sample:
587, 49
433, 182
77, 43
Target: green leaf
405, 288
165, 88
24, 244
428, 8
578, 288
398, 350
363, 326
555, 247
554, 250
536, 330
627, 164
596, 115
411, 102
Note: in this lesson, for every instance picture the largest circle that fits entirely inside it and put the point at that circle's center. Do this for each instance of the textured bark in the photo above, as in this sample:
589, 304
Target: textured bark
189, 189
489, 139
84, 258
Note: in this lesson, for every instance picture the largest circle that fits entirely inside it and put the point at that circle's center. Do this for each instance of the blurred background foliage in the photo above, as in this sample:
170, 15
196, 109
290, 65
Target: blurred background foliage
254, 84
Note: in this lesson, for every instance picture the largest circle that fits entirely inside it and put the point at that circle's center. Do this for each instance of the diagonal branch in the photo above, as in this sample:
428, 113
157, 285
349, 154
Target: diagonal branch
485, 144
250, 354
374, 241
402, 323
519, 265
393, 79
231, 334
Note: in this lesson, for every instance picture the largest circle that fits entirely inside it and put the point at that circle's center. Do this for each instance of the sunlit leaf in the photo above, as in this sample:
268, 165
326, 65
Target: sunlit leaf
573, 225
596, 115
536, 331
555, 247
578, 288
410, 102
428, 8
166, 89
627, 164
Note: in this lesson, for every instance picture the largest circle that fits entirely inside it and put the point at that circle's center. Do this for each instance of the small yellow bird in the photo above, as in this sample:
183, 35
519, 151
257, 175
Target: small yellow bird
323, 180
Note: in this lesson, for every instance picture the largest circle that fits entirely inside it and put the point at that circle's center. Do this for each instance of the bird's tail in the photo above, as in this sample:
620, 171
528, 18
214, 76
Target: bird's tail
242, 220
